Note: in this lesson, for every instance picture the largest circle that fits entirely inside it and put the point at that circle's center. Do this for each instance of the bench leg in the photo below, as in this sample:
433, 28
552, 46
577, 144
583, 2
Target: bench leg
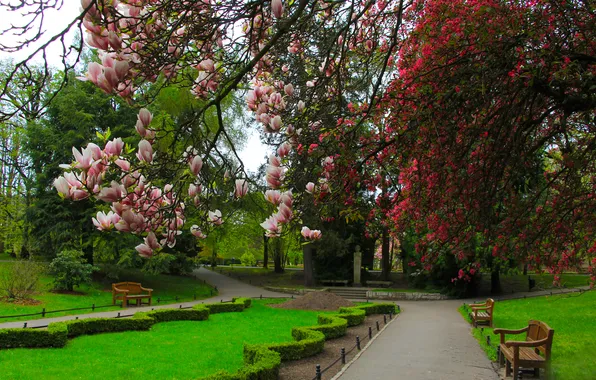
507, 368
515, 371
149, 301
124, 302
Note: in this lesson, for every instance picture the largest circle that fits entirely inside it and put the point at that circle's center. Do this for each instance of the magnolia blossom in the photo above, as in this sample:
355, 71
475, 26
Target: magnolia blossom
105, 222
272, 227
310, 234
194, 229
215, 217
114, 147
196, 164
145, 152
241, 188
284, 149
273, 196
63, 187
151, 241
113, 193
274, 175
310, 187
284, 214
301, 106
144, 250
145, 117
287, 198
277, 8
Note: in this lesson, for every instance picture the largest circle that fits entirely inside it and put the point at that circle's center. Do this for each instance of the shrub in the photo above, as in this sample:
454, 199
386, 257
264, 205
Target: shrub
138, 322
237, 304
197, 313
21, 280
54, 336
248, 259
71, 269
353, 315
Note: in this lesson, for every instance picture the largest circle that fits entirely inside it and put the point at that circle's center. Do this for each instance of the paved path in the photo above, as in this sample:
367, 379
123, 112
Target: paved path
429, 340
227, 288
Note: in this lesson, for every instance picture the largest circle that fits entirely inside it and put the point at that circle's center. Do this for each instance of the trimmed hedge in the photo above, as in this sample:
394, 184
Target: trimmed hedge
58, 333
372, 308
55, 336
260, 363
353, 315
237, 304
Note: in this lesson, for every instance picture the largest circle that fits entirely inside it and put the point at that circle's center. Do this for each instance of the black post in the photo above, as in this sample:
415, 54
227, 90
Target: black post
118, 315
180, 306
378, 326
390, 315
369, 332
25, 325
358, 342
43, 313
158, 299
384, 318
93, 307
176, 298
261, 296
318, 372
398, 308
343, 355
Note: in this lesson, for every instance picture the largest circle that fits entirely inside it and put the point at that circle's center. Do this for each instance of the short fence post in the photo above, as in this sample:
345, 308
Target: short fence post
318, 372
390, 315
343, 355
261, 296
358, 342
369, 332
158, 300
176, 298
118, 315
93, 307
43, 313
384, 318
25, 325
180, 306
378, 326
488, 340
221, 300
398, 309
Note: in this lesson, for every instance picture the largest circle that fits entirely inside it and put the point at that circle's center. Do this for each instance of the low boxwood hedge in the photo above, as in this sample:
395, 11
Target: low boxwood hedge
353, 315
58, 333
55, 336
260, 363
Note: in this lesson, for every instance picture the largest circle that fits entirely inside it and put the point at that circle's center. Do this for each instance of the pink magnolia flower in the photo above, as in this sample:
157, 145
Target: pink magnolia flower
194, 229
274, 160
284, 214
151, 241
301, 106
83, 158
114, 147
287, 198
140, 128
215, 217
63, 187
289, 89
194, 190
78, 194
310, 234
305, 232
241, 188
310, 187
145, 152
277, 8
196, 164
114, 193
275, 123
123, 164
144, 250
272, 227
105, 222
284, 149
273, 176
121, 68
145, 117
273, 196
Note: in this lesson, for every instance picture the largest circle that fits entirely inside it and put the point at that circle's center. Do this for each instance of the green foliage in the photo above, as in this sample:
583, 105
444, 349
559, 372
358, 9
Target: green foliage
21, 279
90, 326
70, 269
237, 304
54, 336
248, 259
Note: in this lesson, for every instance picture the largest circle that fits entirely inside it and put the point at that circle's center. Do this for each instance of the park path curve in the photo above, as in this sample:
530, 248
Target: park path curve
428, 341
227, 289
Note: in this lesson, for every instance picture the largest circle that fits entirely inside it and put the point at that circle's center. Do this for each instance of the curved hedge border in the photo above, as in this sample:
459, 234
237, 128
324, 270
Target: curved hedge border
261, 361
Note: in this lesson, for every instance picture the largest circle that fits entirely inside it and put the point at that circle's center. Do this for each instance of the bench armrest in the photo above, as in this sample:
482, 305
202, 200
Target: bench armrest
480, 307
536, 343
505, 331
147, 289
477, 304
121, 290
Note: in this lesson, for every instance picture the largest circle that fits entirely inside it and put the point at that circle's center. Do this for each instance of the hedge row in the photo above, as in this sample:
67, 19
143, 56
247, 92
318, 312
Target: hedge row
237, 304
260, 363
58, 333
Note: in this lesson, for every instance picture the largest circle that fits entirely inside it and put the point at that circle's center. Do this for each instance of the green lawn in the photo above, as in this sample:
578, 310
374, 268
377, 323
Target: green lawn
171, 350
6, 257
572, 316
164, 286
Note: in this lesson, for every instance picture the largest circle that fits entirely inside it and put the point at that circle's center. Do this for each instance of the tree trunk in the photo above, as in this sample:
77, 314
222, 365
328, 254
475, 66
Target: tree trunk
385, 264
265, 251
308, 252
277, 256
495, 282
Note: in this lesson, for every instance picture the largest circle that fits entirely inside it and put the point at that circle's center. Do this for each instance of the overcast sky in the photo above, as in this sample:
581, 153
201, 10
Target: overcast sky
55, 21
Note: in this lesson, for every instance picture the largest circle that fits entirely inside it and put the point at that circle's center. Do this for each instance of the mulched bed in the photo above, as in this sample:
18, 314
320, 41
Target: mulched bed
316, 301
20, 301
305, 369
69, 292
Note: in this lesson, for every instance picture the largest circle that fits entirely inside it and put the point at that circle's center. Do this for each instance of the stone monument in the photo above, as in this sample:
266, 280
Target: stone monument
357, 265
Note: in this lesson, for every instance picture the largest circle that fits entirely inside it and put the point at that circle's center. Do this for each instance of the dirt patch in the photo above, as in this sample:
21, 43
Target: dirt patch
305, 369
69, 292
20, 301
316, 301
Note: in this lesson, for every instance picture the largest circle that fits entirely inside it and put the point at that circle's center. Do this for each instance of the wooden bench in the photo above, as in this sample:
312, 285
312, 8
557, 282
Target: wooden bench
482, 312
128, 291
333, 282
526, 354
379, 283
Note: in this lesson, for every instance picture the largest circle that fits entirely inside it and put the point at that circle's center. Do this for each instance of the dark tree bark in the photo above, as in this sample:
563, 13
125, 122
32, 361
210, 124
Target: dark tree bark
278, 256
265, 251
308, 252
385, 263
495, 281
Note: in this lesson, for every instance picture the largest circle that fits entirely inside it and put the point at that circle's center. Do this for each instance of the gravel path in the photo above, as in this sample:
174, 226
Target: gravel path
430, 340
227, 287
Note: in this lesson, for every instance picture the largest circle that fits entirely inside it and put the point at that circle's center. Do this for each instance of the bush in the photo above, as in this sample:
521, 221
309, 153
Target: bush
354, 316
248, 259
138, 322
237, 304
70, 269
54, 336
21, 280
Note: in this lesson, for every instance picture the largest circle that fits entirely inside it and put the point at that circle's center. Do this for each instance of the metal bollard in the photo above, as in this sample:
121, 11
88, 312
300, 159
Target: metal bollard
358, 342
390, 315
378, 326
43, 313
369, 332
25, 325
343, 355
318, 372
180, 306
118, 315
384, 318
93, 307
261, 296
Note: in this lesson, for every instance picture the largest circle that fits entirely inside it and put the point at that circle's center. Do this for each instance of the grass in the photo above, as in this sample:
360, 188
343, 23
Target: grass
572, 316
6, 257
164, 286
172, 350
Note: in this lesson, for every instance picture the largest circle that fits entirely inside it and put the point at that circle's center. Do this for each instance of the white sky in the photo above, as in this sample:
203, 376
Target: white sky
55, 21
